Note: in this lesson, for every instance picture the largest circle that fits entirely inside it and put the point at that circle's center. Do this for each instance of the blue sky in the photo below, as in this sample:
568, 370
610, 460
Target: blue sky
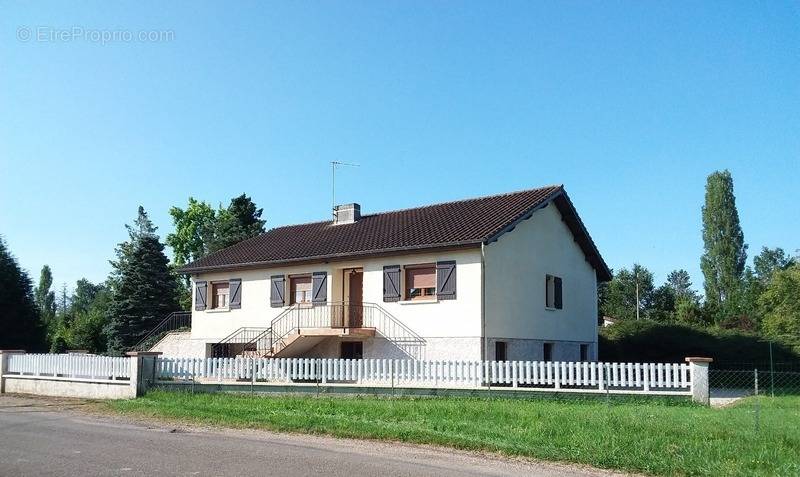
629, 104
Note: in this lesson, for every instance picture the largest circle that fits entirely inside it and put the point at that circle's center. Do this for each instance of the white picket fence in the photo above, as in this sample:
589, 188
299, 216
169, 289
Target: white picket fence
653, 378
74, 366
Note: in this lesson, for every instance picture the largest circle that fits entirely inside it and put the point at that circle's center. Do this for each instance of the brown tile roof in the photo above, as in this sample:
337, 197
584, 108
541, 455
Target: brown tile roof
450, 224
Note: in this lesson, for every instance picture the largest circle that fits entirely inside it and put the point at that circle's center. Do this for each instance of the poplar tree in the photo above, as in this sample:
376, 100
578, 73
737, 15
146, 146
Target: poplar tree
725, 252
46, 299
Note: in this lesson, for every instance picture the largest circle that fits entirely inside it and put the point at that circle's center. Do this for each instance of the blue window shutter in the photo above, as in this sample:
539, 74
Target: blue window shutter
391, 283
235, 290
446, 280
200, 295
277, 291
319, 288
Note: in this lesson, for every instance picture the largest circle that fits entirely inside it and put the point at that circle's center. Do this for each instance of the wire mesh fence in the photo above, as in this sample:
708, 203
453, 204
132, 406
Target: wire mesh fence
729, 379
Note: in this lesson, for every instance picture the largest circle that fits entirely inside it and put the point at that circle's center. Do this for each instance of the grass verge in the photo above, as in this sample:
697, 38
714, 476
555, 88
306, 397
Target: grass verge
657, 437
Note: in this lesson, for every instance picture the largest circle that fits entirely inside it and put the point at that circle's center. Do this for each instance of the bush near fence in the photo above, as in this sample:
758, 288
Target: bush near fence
657, 342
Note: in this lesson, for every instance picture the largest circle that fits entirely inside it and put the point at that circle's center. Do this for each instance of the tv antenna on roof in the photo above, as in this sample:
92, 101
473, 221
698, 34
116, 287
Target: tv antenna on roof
333, 182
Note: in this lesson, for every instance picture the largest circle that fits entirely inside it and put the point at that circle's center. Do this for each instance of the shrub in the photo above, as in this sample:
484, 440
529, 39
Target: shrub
646, 341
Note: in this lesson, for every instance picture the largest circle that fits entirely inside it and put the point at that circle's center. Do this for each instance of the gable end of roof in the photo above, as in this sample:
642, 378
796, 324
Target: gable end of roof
569, 215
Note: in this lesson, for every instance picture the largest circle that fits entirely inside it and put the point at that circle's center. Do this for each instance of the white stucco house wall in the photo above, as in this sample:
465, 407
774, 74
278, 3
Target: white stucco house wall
507, 277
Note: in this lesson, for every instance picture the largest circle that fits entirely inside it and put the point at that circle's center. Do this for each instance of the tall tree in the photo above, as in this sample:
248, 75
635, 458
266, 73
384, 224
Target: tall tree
59, 336
241, 220
662, 305
725, 252
145, 290
620, 294
194, 231
681, 284
20, 324
142, 227
769, 261
46, 299
780, 305
90, 306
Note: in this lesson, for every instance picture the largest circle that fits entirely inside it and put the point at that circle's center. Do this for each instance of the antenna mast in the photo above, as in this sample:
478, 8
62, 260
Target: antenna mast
333, 182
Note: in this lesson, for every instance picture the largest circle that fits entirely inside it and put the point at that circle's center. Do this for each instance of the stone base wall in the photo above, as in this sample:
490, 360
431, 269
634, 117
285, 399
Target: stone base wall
180, 343
533, 350
68, 388
443, 349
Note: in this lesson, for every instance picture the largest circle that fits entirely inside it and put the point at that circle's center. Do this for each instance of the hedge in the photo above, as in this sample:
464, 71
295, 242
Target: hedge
647, 341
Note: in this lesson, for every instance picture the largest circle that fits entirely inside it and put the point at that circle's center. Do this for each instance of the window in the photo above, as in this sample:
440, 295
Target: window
219, 295
547, 352
352, 350
553, 298
500, 351
421, 282
584, 352
299, 289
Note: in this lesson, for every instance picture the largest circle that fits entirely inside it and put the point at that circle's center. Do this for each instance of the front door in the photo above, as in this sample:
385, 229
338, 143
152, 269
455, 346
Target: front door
355, 308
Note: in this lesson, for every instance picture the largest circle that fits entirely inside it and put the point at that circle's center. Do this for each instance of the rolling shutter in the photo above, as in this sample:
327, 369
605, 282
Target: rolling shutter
200, 295
277, 291
557, 292
235, 290
319, 289
391, 283
446, 280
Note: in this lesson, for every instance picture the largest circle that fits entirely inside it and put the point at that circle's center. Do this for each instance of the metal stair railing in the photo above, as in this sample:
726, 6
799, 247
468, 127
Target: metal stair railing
174, 321
337, 315
241, 336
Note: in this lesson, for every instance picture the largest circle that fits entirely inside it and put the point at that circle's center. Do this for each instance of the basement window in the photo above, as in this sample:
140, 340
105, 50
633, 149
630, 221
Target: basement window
547, 352
352, 350
500, 351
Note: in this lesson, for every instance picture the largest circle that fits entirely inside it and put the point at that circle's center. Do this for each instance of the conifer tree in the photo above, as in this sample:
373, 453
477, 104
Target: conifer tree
19, 316
145, 288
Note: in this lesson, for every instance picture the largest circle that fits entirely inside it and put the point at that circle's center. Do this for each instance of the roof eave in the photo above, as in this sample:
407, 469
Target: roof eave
331, 257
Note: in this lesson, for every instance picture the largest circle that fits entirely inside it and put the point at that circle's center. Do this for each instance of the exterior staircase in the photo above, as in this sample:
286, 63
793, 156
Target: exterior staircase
301, 327
177, 320
236, 343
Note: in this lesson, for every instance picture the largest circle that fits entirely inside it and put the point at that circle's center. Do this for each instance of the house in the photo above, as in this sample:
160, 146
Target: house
506, 277
608, 321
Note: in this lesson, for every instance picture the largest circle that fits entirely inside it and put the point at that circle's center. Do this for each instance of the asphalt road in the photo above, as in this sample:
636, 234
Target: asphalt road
47, 437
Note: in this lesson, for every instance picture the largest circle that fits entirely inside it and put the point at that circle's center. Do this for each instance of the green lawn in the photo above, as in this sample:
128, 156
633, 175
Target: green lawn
656, 437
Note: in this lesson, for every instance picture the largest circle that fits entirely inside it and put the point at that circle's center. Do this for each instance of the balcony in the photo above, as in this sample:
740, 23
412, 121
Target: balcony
301, 327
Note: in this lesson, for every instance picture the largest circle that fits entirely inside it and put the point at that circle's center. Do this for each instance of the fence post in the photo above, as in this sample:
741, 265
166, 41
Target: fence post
143, 371
698, 371
771, 372
4, 355
758, 399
